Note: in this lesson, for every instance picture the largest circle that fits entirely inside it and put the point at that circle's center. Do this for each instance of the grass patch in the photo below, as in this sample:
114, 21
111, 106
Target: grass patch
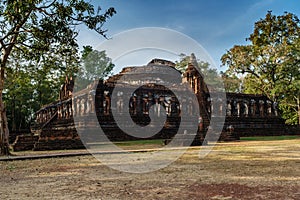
139, 142
269, 138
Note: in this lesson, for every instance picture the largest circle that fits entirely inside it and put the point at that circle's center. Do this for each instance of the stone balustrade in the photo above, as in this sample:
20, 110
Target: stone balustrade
251, 107
139, 104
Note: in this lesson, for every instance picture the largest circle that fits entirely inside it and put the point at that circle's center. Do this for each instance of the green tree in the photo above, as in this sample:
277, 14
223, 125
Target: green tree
18, 99
210, 75
271, 62
35, 27
94, 65
232, 82
182, 64
32, 84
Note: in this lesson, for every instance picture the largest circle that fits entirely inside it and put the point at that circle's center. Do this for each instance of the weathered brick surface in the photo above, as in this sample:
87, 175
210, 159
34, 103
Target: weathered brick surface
24, 142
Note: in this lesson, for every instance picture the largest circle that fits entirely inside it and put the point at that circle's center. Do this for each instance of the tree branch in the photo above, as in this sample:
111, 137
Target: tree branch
47, 6
2, 45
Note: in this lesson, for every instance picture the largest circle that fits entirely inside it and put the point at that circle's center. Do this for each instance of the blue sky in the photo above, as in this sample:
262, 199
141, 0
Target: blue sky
215, 24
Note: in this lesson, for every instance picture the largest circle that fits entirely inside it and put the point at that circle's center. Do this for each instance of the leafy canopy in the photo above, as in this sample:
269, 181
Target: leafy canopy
44, 32
270, 64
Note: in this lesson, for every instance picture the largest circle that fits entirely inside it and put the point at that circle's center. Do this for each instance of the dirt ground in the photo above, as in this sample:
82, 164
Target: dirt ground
239, 170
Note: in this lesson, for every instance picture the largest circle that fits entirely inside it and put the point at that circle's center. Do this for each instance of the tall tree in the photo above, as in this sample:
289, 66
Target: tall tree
209, 74
31, 84
271, 62
232, 82
33, 27
94, 65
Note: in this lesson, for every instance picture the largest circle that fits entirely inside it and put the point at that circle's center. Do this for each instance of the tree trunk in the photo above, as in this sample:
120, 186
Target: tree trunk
13, 116
4, 132
298, 107
6, 51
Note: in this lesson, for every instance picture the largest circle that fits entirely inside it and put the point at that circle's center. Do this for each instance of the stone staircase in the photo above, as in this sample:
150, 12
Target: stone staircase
24, 142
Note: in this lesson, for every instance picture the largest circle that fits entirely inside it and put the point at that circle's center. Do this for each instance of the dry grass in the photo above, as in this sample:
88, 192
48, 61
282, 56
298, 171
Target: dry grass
239, 170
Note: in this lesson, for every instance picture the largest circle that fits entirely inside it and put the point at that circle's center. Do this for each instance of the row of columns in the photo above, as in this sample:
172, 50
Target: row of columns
252, 107
81, 106
45, 114
63, 109
243, 107
141, 103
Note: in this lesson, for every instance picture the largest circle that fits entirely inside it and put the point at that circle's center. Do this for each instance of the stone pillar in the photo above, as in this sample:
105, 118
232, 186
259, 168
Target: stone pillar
200, 126
59, 111
275, 108
146, 106
120, 104
78, 106
134, 105
238, 108
229, 108
107, 105
209, 105
182, 106
139, 103
156, 107
173, 107
63, 106
252, 107
193, 83
261, 108
88, 105
40, 118
246, 106
70, 109
220, 106
167, 106
161, 103
92, 104
46, 114
104, 105
73, 107
269, 108
196, 85
37, 117
82, 106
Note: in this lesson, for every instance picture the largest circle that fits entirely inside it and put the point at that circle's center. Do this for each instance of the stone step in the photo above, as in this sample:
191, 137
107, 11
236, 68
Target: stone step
24, 142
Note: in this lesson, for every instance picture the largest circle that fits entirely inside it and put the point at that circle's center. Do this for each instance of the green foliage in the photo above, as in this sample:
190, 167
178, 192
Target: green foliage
95, 65
271, 62
182, 64
210, 75
32, 84
38, 49
232, 82
38, 24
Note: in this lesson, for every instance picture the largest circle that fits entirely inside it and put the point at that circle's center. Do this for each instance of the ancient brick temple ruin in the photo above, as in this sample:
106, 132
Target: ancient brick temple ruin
246, 114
